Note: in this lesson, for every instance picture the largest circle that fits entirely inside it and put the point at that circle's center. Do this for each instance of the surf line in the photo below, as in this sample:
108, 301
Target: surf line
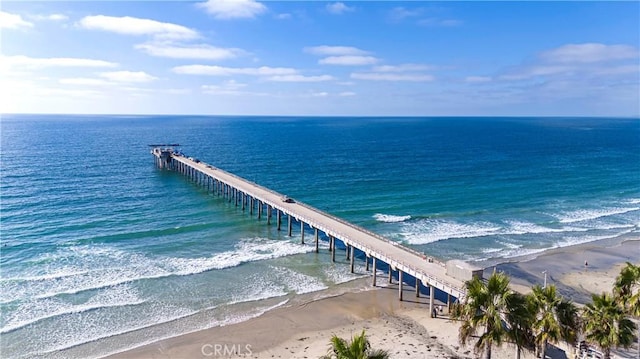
425, 272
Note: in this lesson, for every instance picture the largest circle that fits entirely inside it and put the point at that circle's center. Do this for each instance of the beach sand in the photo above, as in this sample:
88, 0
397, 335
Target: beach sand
405, 329
565, 267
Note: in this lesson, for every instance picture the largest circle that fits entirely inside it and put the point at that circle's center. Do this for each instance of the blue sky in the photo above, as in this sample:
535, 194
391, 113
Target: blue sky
243, 57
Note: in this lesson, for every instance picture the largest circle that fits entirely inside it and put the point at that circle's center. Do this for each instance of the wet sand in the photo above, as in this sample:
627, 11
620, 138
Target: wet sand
405, 328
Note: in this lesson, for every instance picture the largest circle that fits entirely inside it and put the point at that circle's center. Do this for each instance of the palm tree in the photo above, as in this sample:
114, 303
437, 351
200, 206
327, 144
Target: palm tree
485, 305
626, 290
519, 318
606, 324
359, 348
556, 319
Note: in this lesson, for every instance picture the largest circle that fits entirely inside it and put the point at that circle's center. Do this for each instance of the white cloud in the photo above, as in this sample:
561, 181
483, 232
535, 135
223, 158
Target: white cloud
577, 61
419, 15
325, 50
50, 17
400, 13
113, 78
347, 93
233, 9
33, 62
284, 16
202, 51
589, 53
526, 72
378, 76
65, 93
231, 87
12, 21
229, 71
83, 81
185, 91
136, 26
300, 78
403, 68
477, 79
128, 76
348, 60
339, 8
436, 22
617, 70
57, 17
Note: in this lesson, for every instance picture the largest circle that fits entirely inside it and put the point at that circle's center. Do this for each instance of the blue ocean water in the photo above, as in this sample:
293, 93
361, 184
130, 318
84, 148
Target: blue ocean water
101, 251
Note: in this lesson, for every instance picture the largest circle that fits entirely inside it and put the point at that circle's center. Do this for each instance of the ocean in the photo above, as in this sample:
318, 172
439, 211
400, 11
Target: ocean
102, 252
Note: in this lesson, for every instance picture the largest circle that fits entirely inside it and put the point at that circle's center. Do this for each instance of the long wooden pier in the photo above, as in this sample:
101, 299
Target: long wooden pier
268, 203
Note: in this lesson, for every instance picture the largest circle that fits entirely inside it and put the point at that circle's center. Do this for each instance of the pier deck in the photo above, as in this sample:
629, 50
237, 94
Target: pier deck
428, 271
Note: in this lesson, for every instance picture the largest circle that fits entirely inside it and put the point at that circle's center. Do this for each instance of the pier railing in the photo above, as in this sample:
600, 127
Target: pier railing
342, 236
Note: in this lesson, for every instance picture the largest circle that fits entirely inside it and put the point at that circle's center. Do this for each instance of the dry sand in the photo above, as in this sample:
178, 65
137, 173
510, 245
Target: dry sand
404, 328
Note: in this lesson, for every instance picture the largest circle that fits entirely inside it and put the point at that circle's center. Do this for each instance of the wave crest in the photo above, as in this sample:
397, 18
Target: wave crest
389, 218
83, 268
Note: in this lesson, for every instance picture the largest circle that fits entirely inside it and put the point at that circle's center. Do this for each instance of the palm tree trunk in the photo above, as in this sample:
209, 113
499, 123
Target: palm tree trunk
607, 353
487, 354
517, 351
638, 353
544, 350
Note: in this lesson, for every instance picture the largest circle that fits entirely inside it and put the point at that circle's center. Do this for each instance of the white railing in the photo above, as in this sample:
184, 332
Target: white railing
335, 233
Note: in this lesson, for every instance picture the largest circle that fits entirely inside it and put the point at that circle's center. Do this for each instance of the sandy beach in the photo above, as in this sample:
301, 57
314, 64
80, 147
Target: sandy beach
405, 329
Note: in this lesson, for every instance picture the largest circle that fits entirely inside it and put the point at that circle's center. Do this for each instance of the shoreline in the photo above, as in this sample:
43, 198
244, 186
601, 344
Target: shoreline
565, 267
303, 327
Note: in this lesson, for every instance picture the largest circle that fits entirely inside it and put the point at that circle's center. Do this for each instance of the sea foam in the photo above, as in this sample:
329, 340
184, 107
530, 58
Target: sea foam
83, 268
388, 218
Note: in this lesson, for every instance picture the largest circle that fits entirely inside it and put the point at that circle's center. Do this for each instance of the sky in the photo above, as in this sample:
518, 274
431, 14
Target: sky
316, 58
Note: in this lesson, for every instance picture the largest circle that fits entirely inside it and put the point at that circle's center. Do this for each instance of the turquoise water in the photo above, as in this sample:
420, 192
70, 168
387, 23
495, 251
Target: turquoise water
99, 244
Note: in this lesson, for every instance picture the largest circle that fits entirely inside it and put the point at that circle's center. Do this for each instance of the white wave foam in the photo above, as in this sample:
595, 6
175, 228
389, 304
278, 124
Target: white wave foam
388, 218
88, 267
262, 286
571, 241
591, 214
338, 274
519, 227
492, 250
515, 251
227, 321
36, 310
247, 251
82, 334
432, 230
237, 318
299, 282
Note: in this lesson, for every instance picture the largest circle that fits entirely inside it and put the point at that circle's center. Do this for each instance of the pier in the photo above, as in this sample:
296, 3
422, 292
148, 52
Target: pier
265, 203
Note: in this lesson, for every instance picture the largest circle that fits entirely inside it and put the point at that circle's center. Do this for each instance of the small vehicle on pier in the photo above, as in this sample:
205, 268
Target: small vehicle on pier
287, 199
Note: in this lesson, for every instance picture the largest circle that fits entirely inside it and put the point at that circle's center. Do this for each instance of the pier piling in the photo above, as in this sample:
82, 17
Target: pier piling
425, 270
316, 238
351, 259
375, 271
